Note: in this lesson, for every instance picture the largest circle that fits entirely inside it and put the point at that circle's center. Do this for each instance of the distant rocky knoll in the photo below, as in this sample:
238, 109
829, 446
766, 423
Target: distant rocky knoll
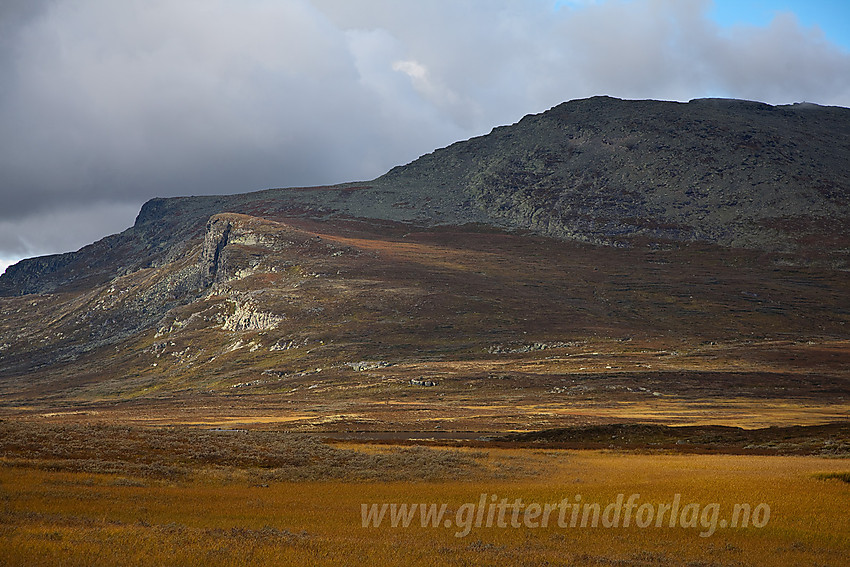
600, 170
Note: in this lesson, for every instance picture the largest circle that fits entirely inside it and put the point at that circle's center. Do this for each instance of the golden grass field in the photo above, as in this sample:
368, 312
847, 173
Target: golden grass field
213, 510
168, 447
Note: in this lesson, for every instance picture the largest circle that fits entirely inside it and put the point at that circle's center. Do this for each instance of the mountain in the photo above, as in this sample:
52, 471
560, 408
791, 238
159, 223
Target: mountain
601, 170
713, 230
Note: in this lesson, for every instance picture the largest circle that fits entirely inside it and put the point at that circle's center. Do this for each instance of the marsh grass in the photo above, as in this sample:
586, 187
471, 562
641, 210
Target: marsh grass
174, 453
842, 476
241, 502
77, 518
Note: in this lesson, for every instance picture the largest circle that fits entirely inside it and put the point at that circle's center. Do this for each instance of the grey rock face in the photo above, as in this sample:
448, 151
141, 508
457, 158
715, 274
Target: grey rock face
218, 232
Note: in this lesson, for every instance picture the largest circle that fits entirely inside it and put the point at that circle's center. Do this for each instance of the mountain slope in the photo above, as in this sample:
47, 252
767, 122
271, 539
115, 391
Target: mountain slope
341, 323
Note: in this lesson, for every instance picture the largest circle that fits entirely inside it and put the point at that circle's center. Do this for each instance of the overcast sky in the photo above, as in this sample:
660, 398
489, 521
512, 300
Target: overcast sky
105, 104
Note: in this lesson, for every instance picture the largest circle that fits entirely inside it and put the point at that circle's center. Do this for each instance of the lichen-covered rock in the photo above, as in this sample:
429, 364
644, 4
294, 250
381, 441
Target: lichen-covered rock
246, 317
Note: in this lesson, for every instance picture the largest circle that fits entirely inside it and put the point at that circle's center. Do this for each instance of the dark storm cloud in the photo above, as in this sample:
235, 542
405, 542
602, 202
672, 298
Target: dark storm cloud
105, 104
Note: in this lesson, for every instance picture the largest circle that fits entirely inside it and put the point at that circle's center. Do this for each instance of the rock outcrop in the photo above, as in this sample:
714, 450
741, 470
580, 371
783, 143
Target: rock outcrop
212, 258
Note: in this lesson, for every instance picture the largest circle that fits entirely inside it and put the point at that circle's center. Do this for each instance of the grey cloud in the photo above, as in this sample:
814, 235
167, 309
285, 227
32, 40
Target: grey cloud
72, 227
106, 104
783, 62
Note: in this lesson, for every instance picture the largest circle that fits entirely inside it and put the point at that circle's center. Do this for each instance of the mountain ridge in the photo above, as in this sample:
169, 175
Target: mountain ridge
600, 170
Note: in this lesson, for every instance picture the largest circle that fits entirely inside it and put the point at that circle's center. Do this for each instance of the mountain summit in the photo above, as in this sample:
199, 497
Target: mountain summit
603, 170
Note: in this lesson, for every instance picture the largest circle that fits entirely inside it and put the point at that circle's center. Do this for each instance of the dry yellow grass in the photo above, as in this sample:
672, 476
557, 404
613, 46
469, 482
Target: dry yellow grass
219, 518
